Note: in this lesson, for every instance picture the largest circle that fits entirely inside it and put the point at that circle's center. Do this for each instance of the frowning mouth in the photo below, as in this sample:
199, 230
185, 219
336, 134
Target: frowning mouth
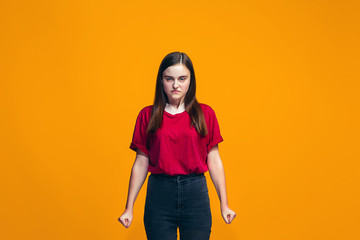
175, 91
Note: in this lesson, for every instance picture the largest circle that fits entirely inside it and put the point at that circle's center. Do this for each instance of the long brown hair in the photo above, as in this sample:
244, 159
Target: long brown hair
192, 106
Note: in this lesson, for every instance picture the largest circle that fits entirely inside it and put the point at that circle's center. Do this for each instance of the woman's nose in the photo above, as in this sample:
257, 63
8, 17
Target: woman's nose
175, 85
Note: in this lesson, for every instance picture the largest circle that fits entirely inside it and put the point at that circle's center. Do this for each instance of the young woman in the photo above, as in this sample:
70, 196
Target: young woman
176, 140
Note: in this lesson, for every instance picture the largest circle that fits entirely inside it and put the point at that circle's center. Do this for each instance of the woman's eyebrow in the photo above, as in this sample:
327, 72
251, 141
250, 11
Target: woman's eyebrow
172, 76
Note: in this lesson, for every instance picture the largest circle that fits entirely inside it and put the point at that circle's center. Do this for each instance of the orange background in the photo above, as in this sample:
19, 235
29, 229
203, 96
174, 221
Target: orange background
282, 77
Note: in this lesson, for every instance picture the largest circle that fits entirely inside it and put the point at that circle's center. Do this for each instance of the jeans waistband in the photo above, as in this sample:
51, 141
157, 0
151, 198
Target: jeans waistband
180, 176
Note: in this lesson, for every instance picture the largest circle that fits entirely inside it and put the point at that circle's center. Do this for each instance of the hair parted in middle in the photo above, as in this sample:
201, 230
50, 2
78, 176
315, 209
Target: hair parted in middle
192, 106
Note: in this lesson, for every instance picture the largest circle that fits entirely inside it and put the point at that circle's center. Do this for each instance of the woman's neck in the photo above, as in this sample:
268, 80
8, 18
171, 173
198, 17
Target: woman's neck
176, 105
175, 108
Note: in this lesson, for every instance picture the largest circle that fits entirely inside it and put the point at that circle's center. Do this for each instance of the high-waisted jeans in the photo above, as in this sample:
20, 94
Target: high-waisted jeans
177, 201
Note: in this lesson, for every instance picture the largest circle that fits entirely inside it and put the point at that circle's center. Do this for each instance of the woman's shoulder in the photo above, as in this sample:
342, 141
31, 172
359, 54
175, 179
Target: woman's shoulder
206, 108
145, 111
147, 108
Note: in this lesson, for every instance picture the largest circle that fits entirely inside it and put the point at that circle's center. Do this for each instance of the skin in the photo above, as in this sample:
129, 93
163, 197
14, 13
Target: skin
176, 81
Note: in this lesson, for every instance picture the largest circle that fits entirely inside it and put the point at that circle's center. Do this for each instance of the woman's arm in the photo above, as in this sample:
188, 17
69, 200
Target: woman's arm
138, 175
217, 175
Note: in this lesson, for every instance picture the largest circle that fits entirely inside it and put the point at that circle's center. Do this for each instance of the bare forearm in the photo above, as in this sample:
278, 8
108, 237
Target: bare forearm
138, 175
217, 175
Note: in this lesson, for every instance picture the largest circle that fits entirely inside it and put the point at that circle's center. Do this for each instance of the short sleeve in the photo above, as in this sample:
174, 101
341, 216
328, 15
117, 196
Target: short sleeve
214, 136
139, 139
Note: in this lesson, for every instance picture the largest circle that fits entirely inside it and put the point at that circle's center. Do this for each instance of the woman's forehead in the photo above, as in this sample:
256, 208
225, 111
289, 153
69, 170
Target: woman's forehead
178, 69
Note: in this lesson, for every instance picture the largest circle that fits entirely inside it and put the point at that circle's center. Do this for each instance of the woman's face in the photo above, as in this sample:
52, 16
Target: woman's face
176, 82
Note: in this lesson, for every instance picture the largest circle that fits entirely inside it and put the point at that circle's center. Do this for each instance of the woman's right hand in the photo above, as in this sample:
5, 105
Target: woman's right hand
126, 218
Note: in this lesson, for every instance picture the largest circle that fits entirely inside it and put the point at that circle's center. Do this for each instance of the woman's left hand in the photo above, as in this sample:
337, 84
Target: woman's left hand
228, 214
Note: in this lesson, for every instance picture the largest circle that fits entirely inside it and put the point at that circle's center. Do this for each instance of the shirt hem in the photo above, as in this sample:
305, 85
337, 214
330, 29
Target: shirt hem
217, 140
134, 147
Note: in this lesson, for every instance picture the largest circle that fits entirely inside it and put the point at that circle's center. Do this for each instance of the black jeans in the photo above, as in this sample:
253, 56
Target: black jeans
177, 201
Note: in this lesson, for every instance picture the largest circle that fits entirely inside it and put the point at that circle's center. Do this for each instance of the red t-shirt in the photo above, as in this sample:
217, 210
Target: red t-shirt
176, 147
